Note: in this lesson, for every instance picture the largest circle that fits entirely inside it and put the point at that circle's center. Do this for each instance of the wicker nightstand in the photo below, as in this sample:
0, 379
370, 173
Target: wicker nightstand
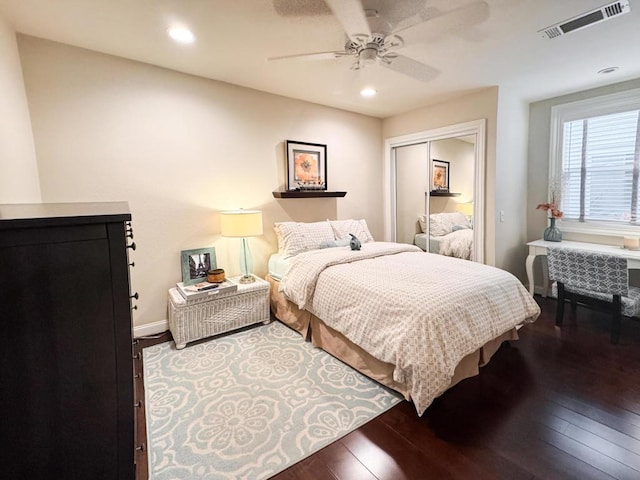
196, 319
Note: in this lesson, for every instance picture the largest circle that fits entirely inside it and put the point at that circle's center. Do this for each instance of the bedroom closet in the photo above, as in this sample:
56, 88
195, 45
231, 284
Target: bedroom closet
436, 195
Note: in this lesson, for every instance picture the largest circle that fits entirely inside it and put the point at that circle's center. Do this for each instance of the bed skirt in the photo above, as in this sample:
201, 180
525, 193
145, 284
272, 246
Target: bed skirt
321, 335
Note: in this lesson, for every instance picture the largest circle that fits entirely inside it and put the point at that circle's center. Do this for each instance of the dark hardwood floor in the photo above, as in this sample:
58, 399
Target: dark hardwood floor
557, 404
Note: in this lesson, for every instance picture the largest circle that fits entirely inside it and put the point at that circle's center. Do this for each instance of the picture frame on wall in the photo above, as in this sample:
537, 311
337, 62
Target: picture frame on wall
196, 263
306, 166
439, 175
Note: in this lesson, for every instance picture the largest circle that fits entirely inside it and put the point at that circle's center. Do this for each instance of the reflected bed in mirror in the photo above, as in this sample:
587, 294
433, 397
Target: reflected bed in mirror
451, 235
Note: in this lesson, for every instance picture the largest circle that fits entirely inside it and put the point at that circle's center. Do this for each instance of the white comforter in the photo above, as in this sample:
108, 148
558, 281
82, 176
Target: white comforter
457, 244
419, 311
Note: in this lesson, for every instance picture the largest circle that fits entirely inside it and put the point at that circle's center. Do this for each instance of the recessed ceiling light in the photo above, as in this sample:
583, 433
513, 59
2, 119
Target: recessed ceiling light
368, 92
604, 71
181, 35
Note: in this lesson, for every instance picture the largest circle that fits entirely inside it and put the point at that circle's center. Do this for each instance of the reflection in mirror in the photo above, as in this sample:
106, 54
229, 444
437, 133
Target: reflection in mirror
450, 221
436, 177
412, 177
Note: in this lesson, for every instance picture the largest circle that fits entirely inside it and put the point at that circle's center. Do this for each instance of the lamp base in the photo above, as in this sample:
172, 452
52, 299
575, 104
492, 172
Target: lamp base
247, 279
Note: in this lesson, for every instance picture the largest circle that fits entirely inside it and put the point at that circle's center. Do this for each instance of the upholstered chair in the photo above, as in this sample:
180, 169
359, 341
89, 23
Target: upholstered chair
595, 279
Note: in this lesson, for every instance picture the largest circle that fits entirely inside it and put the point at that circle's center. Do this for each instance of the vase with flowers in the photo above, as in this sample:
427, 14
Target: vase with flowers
551, 233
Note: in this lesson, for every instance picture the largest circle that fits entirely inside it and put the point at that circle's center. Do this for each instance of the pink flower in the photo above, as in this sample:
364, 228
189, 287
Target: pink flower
552, 208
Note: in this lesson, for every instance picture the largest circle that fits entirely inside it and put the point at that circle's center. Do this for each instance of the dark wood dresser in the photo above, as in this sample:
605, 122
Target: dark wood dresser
66, 392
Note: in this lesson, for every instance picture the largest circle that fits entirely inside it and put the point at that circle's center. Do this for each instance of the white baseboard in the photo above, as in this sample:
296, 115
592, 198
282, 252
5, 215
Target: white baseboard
148, 329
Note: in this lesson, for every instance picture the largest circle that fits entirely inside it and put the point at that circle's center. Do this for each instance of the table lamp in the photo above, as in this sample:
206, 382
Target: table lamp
467, 209
242, 224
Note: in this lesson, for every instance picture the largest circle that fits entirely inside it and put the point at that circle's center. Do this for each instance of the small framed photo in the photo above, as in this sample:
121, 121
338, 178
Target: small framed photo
439, 175
306, 166
196, 263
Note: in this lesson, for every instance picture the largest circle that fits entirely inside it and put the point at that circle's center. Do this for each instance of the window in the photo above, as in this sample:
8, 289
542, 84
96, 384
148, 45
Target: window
595, 163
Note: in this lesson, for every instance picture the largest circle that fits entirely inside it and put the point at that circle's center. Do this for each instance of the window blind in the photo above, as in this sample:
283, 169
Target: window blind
600, 168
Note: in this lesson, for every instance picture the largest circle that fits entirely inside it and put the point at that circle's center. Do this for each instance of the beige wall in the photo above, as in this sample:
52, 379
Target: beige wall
481, 104
18, 167
511, 183
180, 149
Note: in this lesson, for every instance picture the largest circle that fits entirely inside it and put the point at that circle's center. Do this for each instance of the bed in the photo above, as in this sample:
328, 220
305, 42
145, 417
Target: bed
450, 234
416, 322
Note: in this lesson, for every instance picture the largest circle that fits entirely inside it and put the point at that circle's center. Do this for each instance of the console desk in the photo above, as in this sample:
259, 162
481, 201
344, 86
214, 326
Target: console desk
539, 247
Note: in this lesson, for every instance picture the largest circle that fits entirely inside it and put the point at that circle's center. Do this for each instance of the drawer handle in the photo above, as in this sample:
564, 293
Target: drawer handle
138, 404
132, 264
132, 246
135, 295
135, 307
140, 448
137, 356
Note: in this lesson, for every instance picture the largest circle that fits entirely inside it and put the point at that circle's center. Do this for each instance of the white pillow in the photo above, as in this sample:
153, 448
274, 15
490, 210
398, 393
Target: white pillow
422, 220
342, 229
298, 237
443, 223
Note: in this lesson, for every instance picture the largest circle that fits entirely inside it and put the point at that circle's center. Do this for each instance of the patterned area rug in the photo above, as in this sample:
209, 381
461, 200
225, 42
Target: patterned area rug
250, 404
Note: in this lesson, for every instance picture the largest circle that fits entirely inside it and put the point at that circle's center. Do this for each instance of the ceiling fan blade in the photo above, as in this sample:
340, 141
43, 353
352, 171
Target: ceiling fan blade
299, 8
434, 22
351, 16
411, 68
310, 56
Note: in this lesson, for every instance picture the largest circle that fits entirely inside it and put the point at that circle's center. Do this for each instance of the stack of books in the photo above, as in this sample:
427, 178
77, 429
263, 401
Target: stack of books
205, 289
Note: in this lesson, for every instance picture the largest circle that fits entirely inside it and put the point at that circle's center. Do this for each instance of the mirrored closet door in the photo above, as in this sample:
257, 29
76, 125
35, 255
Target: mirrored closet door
436, 191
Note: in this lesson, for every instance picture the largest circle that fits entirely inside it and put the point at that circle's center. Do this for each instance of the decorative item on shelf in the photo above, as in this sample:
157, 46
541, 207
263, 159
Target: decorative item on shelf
439, 175
196, 263
551, 233
311, 187
631, 243
202, 290
306, 166
216, 275
242, 224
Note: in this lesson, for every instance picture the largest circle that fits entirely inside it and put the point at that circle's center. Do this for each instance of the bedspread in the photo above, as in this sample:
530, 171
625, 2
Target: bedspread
457, 244
421, 312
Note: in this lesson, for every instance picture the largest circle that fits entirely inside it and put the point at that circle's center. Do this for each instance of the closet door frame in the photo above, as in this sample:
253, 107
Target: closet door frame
475, 127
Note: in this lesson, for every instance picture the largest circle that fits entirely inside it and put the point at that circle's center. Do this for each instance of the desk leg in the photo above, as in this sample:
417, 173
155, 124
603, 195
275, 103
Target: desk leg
545, 277
529, 268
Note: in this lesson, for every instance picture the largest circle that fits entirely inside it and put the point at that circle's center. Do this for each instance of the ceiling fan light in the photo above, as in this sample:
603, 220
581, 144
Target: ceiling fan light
369, 55
368, 92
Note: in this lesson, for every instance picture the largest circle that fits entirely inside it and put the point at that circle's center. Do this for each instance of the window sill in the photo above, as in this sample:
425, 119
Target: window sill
603, 230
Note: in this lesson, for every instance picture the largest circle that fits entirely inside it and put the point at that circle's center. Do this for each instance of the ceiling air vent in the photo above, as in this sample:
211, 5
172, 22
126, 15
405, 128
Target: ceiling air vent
601, 14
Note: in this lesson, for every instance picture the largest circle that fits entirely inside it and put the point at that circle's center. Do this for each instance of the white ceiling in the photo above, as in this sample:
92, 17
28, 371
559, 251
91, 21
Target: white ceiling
234, 38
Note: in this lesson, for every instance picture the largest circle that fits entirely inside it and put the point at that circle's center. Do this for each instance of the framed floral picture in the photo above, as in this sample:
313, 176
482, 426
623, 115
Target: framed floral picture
196, 263
306, 166
439, 175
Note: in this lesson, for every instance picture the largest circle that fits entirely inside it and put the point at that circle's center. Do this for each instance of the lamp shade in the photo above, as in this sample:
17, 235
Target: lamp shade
241, 223
466, 208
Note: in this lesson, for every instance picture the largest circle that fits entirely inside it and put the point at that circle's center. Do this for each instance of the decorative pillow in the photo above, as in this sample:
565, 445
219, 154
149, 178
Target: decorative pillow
342, 229
443, 223
460, 227
422, 220
336, 243
298, 237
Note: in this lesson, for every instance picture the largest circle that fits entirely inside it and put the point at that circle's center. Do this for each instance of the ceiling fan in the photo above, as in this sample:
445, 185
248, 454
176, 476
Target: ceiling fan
373, 36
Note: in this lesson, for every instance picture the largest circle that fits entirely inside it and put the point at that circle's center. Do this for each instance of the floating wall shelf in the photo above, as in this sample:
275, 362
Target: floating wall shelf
435, 193
308, 194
